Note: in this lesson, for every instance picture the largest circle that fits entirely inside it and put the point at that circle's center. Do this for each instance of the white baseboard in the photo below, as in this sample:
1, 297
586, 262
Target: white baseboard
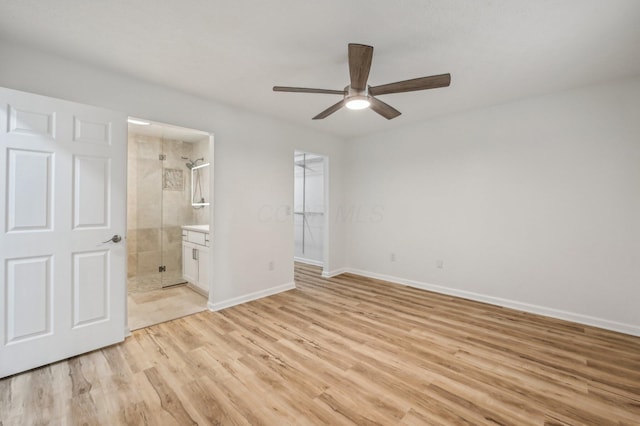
251, 296
631, 329
335, 272
198, 290
309, 261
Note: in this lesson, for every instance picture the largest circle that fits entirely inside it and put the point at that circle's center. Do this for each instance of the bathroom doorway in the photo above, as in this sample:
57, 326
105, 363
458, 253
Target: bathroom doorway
168, 214
309, 208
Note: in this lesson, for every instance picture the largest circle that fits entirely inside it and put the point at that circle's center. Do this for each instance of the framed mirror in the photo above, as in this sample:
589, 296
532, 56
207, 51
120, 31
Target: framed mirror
200, 185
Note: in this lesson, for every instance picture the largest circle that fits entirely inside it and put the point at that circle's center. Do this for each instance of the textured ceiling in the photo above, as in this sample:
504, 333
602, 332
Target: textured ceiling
235, 51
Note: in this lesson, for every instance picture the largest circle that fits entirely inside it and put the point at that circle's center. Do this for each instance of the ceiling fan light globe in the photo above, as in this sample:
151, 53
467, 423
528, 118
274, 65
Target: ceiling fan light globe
358, 103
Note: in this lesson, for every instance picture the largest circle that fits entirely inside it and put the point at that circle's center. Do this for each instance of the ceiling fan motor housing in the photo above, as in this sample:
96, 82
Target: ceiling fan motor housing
356, 99
351, 93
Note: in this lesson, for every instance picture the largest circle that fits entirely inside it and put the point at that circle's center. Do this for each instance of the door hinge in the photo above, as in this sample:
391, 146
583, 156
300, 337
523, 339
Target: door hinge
162, 157
162, 269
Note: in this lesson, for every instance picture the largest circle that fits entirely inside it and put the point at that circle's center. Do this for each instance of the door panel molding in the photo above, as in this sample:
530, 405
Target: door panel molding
27, 122
29, 281
91, 192
91, 132
30, 190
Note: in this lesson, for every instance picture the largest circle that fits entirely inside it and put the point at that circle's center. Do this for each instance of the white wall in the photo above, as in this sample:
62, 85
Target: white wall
253, 165
533, 204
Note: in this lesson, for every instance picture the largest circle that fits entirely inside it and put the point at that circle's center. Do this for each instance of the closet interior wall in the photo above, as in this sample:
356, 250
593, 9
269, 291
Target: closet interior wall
308, 208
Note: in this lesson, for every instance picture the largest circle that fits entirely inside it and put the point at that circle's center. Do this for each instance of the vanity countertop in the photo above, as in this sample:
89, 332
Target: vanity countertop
197, 228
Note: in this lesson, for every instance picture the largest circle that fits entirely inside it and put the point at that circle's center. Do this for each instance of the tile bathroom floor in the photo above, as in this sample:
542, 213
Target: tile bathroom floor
157, 306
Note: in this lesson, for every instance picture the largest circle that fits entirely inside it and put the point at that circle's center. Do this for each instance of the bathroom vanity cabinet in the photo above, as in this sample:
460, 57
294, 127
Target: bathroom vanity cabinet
195, 255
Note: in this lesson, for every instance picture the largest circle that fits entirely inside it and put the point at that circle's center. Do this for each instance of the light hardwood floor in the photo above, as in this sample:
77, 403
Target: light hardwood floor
348, 350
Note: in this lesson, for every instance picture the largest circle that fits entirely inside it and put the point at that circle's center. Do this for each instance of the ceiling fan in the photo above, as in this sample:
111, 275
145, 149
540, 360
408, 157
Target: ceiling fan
358, 95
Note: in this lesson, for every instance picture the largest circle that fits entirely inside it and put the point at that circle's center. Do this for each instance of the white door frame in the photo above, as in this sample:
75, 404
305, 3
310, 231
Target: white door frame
327, 208
210, 252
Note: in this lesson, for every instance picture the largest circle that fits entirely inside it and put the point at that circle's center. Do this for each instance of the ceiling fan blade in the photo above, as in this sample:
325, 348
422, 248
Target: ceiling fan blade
360, 57
385, 110
422, 83
327, 112
307, 90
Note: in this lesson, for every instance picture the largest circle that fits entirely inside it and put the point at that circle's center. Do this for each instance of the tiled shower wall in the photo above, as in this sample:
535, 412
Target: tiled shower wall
158, 205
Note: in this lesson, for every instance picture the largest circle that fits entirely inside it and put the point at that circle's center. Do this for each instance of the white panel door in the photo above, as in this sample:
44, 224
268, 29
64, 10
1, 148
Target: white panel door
62, 195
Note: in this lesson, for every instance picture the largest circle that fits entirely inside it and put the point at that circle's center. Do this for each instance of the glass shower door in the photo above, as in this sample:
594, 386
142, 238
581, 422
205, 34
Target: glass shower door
176, 207
144, 213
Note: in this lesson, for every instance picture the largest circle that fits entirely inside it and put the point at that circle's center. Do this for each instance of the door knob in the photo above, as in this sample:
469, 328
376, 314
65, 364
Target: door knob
115, 239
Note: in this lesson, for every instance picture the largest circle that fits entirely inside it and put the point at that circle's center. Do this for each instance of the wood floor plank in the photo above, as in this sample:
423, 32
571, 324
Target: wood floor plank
342, 351
168, 399
211, 406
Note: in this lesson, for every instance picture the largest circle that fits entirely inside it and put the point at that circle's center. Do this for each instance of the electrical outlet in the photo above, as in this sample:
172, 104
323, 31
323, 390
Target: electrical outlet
440, 264
272, 265
393, 257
